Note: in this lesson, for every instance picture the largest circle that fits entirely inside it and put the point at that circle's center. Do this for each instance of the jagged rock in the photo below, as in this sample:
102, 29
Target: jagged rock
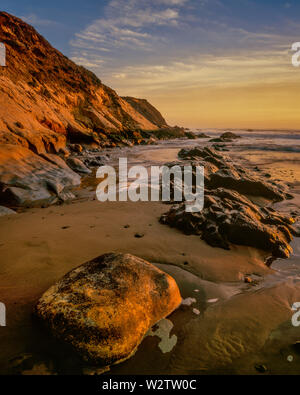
6, 211
221, 172
28, 179
104, 308
78, 166
229, 216
77, 148
230, 135
227, 137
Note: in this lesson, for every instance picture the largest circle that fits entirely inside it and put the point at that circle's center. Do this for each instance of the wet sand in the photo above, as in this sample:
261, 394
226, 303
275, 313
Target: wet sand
224, 326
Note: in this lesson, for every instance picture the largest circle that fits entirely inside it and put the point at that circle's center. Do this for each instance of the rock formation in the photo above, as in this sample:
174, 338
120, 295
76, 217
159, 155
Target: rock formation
46, 98
147, 110
46, 102
104, 308
226, 137
28, 179
229, 216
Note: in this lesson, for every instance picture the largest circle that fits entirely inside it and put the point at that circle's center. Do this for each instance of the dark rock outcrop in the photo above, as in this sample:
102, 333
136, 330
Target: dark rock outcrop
104, 308
226, 137
229, 216
221, 172
78, 166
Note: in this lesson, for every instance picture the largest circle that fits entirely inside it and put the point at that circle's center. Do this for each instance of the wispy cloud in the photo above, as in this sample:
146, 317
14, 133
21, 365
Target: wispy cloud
125, 24
36, 21
208, 71
171, 50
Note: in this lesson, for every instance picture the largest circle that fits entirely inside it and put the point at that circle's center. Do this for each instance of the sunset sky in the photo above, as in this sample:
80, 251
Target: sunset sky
203, 63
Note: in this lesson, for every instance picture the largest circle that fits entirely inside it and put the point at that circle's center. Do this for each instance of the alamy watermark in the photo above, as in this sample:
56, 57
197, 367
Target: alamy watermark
2, 314
296, 316
2, 55
296, 56
159, 183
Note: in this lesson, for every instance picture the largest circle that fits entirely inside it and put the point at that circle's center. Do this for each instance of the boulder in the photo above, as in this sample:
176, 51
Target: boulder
104, 308
230, 135
78, 166
220, 171
6, 211
227, 137
27, 179
229, 216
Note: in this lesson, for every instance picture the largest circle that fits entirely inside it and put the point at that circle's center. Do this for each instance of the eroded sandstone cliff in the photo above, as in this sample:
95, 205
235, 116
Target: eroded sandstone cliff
47, 101
46, 98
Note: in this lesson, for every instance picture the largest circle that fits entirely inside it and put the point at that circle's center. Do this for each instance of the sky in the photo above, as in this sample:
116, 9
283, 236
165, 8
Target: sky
202, 63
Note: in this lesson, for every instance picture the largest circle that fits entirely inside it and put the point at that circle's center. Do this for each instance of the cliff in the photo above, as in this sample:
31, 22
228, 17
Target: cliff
143, 107
46, 99
48, 103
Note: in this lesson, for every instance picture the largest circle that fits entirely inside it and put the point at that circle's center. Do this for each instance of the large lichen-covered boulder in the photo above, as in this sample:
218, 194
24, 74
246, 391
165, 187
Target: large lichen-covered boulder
104, 308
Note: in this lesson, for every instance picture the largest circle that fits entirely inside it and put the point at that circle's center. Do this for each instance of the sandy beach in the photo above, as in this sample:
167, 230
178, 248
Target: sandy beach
225, 325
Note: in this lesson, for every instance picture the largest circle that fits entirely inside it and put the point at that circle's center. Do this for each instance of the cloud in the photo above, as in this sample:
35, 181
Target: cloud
130, 24
205, 71
143, 48
35, 20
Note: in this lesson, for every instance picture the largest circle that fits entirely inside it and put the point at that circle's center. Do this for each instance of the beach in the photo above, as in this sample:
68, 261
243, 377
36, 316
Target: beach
225, 325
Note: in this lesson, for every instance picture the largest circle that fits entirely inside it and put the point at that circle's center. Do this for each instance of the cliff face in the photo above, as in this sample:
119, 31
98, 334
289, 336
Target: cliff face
46, 99
147, 110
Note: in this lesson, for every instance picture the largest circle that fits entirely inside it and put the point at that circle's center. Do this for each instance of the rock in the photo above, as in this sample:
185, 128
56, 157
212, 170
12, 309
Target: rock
78, 166
76, 148
95, 161
47, 100
104, 308
139, 235
6, 211
147, 110
261, 368
229, 216
64, 152
27, 179
202, 136
191, 135
221, 172
229, 135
